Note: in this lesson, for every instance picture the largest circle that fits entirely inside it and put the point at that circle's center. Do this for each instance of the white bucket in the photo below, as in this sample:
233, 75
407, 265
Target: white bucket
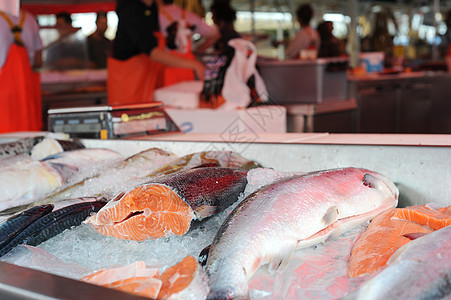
372, 61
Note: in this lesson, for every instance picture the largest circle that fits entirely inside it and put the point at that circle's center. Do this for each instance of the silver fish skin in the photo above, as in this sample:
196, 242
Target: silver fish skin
421, 269
24, 183
274, 221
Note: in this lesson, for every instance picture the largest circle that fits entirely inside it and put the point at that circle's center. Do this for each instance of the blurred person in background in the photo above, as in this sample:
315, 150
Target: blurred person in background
307, 38
445, 45
194, 6
381, 40
69, 51
330, 46
136, 66
20, 92
99, 46
178, 26
224, 16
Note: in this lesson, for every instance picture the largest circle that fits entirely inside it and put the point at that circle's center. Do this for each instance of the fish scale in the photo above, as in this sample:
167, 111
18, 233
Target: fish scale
52, 224
207, 187
11, 227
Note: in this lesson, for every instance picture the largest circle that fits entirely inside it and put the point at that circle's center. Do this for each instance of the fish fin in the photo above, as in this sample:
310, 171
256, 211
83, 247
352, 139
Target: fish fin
203, 256
205, 211
331, 216
280, 261
65, 171
414, 235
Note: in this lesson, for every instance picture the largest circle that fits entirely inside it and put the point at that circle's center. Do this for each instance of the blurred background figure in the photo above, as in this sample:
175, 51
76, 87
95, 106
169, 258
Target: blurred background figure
64, 24
69, 51
194, 6
381, 40
330, 46
139, 55
20, 92
171, 14
306, 38
445, 45
178, 26
99, 46
224, 16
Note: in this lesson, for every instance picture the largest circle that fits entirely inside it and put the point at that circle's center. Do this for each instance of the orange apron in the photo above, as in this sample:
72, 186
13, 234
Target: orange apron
174, 75
134, 80
20, 97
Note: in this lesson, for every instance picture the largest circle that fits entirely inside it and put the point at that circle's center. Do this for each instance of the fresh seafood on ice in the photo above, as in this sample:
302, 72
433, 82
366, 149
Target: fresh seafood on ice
134, 278
185, 280
37, 147
420, 269
227, 159
51, 224
388, 232
271, 223
25, 183
49, 146
115, 178
19, 146
11, 227
167, 205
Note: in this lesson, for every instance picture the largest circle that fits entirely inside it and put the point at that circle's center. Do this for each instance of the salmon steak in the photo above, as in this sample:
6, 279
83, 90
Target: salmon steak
168, 205
390, 231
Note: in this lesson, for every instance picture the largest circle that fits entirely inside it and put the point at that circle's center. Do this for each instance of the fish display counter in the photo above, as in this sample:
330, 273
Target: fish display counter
383, 171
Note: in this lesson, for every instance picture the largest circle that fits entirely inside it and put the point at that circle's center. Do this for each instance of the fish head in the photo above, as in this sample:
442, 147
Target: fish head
382, 183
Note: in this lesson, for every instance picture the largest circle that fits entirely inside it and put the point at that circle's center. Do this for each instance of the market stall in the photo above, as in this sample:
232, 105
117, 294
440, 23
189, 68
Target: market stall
411, 161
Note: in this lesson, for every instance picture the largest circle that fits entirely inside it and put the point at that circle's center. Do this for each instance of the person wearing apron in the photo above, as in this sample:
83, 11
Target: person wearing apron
136, 68
20, 90
178, 26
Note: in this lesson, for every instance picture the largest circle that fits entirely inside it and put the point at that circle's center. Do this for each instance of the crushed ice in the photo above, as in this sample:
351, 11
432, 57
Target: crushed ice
315, 272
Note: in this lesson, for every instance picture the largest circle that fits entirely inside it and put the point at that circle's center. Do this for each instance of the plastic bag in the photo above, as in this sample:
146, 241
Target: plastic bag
231, 78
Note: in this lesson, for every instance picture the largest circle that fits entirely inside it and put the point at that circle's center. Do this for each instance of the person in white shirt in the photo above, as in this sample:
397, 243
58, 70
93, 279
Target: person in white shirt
307, 37
30, 37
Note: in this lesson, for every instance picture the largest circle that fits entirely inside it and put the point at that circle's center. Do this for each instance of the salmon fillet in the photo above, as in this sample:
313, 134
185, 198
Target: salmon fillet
387, 233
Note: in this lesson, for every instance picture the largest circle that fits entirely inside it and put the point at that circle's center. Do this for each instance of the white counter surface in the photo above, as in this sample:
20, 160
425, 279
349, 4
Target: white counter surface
315, 138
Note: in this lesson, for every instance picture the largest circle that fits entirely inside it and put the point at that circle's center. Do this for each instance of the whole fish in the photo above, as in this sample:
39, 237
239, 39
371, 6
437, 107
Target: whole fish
167, 205
38, 147
25, 183
227, 159
420, 269
274, 221
11, 227
116, 177
53, 224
